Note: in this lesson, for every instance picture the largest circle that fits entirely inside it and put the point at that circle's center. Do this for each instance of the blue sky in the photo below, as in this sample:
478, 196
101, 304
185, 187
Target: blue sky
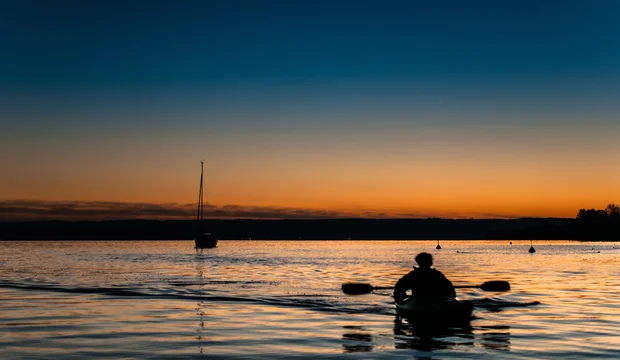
145, 44
217, 54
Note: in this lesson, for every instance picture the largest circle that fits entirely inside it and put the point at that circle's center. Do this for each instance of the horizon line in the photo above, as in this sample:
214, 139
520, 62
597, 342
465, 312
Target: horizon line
17, 210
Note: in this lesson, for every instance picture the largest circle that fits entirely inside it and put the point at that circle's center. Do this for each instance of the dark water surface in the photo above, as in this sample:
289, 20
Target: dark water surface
282, 299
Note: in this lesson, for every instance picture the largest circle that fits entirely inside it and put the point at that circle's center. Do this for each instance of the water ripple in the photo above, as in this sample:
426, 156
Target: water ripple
248, 299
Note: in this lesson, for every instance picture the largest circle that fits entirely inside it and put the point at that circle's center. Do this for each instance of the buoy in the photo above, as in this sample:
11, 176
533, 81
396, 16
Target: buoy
438, 246
511, 243
531, 250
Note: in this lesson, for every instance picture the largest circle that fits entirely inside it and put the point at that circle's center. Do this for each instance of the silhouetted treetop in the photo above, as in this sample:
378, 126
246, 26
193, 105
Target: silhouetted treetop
595, 224
611, 212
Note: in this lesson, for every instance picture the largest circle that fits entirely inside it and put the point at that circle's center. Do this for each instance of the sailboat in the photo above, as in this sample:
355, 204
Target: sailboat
203, 239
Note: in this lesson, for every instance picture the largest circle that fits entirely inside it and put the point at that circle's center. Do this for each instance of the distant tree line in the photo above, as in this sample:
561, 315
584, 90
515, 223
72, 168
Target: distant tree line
328, 229
590, 224
593, 224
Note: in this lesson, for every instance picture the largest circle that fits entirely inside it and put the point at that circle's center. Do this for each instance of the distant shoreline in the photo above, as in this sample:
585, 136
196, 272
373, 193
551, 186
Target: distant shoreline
329, 229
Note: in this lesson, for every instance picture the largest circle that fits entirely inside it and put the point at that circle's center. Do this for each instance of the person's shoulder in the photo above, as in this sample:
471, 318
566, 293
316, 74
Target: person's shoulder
437, 272
410, 273
406, 278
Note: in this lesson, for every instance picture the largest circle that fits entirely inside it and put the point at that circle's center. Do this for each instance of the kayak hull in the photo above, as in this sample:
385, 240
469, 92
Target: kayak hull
435, 310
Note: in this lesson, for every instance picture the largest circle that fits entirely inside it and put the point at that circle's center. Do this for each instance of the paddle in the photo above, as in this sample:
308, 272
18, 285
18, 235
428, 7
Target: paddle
361, 288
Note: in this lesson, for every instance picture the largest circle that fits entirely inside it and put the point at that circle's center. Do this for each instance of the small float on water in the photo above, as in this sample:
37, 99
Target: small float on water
438, 247
531, 250
203, 240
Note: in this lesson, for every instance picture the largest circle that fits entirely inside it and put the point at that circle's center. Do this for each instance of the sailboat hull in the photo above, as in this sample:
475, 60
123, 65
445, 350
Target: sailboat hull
205, 241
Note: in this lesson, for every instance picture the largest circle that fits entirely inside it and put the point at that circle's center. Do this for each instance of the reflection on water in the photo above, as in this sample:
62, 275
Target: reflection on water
279, 300
356, 339
428, 336
199, 310
200, 267
496, 337
201, 326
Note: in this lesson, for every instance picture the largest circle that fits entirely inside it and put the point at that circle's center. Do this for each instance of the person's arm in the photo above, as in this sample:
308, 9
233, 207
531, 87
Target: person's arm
450, 288
447, 287
401, 287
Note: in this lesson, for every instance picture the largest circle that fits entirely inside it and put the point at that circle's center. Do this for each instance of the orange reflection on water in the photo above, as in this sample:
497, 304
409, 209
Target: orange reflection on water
283, 298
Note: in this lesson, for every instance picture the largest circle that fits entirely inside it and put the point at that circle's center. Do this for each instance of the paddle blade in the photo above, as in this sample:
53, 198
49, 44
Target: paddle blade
357, 288
497, 285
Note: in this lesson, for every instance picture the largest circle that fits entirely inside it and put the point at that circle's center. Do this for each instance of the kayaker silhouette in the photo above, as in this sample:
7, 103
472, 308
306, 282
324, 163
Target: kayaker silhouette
424, 281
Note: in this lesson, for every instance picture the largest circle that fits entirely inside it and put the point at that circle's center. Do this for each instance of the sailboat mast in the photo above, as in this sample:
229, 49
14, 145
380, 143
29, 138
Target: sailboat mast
202, 211
199, 213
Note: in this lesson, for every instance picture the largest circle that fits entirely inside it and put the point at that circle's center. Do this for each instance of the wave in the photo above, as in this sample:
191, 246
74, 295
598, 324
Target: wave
181, 291
490, 303
327, 303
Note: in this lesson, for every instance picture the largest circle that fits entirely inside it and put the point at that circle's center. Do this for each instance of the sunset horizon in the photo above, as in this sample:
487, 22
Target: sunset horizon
33, 210
397, 110
310, 179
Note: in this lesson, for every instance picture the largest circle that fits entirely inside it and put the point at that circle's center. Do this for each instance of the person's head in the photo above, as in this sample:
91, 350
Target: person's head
425, 260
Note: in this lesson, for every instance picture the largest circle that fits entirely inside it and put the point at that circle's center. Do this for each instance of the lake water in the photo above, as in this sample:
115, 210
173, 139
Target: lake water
282, 299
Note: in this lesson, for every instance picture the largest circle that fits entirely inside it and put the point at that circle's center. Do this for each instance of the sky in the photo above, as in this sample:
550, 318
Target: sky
309, 109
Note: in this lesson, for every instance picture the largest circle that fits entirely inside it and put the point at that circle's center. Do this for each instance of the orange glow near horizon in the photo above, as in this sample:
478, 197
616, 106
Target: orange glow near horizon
438, 172
460, 189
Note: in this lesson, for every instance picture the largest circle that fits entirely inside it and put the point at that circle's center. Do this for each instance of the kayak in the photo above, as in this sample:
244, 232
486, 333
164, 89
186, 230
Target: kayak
434, 309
